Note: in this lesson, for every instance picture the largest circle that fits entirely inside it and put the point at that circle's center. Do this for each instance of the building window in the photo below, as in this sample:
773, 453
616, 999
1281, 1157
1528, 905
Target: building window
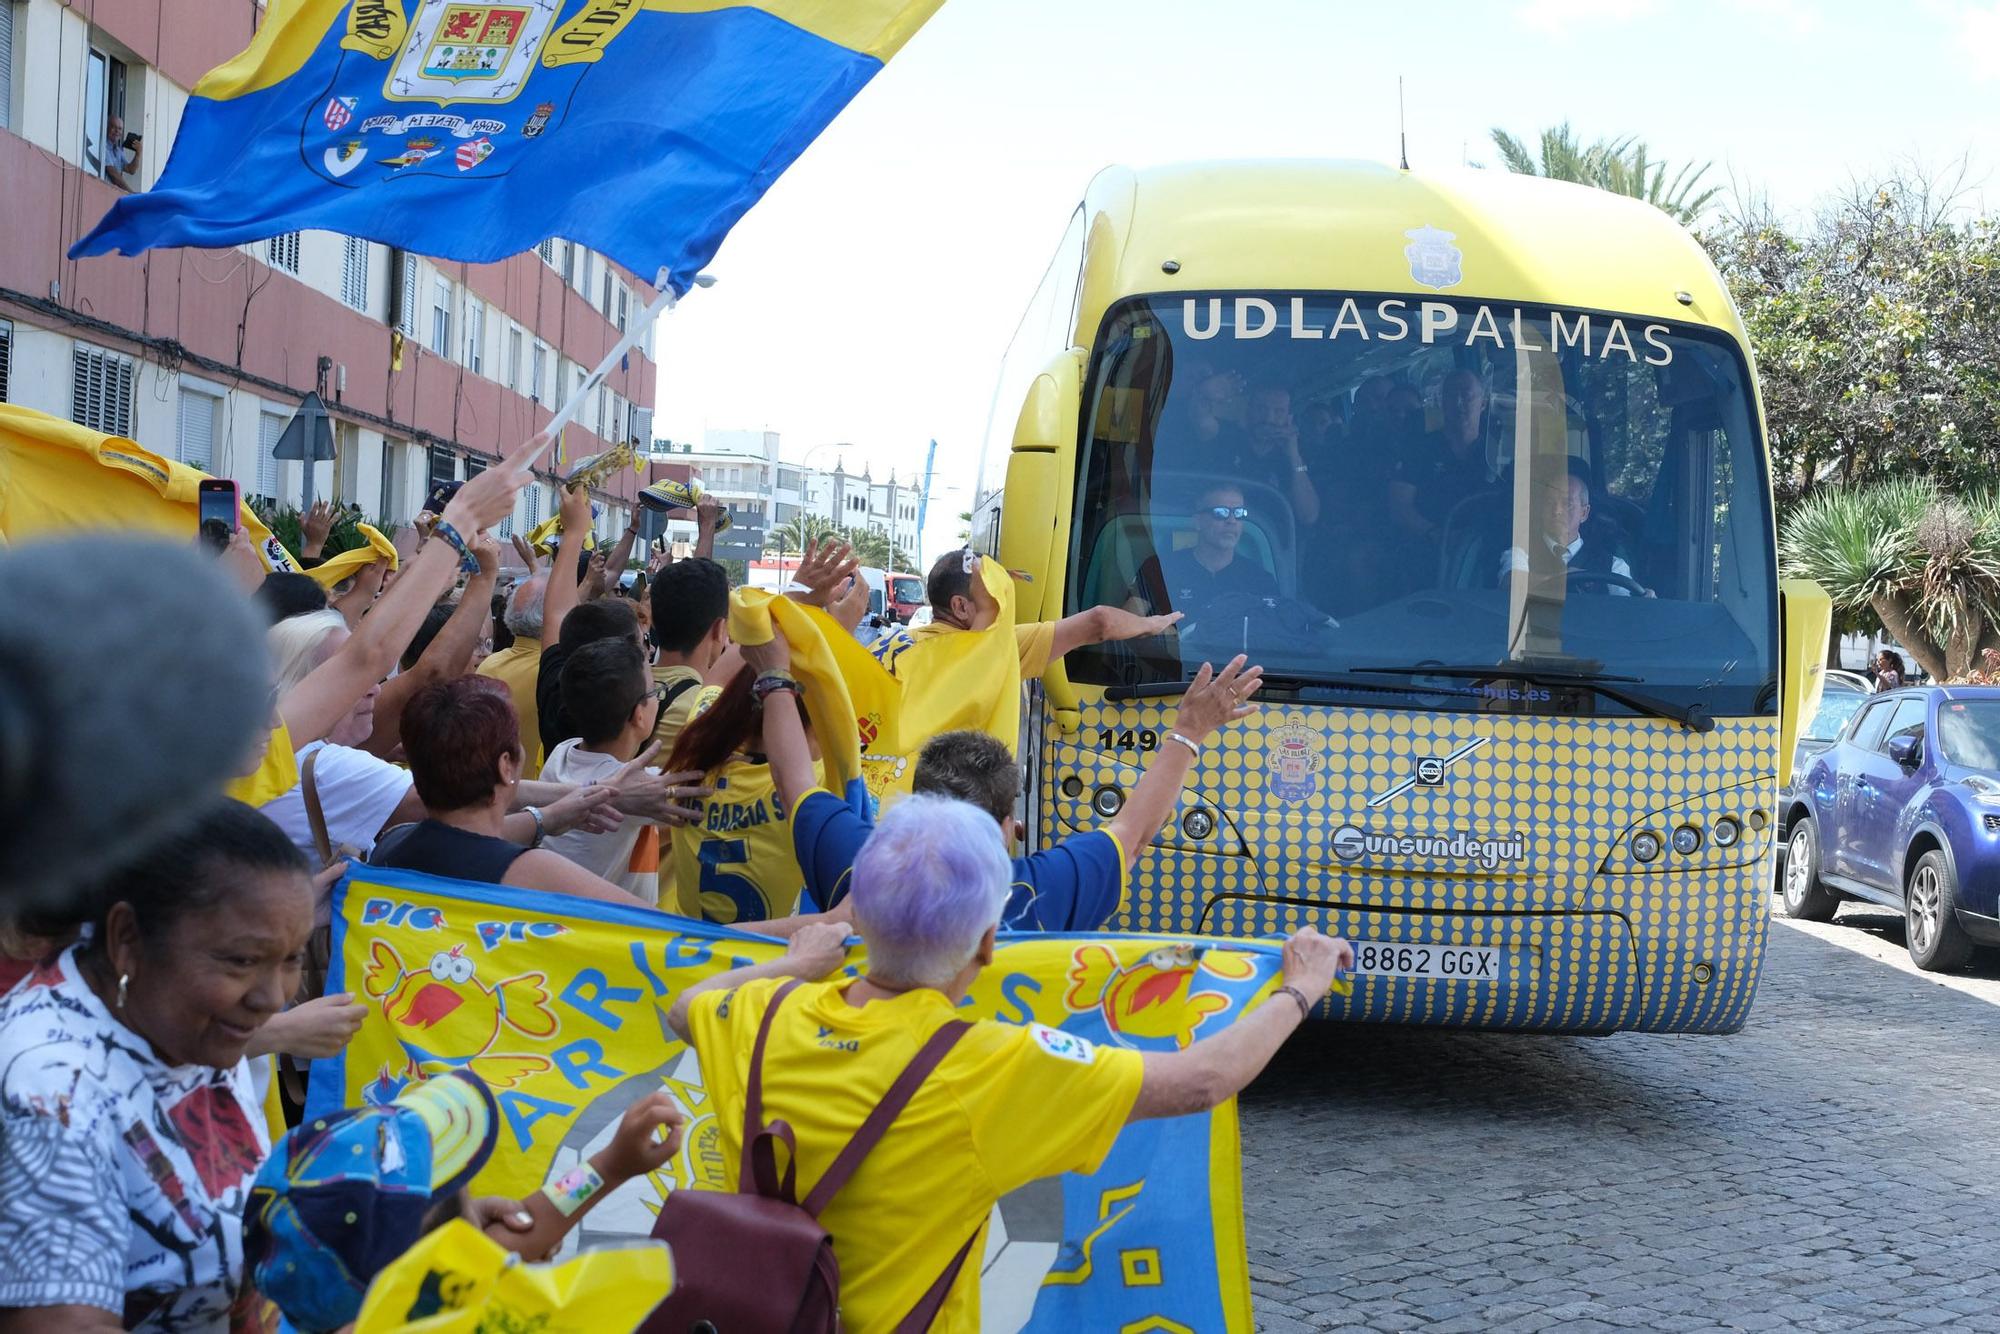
6, 356
534, 490
270, 426
536, 365
354, 273
583, 285
6, 63
547, 250
475, 335
443, 468
282, 252
101, 390
608, 281
407, 322
103, 103
624, 299
514, 340
441, 318
386, 488
201, 408
474, 465
569, 261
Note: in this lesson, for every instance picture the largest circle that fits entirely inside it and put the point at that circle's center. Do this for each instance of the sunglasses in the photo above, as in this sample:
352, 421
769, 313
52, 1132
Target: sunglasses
1227, 512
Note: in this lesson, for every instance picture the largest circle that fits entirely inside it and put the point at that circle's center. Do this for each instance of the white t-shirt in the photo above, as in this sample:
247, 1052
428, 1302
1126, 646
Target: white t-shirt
357, 791
125, 1178
628, 856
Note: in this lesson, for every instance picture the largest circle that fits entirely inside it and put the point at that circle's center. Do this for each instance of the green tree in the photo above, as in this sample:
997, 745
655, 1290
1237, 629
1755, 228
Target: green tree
1876, 329
873, 548
1621, 166
1923, 560
965, 525
794, 535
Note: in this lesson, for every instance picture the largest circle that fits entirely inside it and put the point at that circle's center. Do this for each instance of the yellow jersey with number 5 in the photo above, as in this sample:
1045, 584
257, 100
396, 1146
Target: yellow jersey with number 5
738, 865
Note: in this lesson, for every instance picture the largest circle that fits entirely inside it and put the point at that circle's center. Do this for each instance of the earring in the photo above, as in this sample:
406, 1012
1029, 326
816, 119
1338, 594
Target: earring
124, 981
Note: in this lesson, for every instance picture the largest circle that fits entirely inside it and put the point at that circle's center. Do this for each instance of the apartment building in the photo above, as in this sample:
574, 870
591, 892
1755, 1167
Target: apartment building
763, 490
432, 369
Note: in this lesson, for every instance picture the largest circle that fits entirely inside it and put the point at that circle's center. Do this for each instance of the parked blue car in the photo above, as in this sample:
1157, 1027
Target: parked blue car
1904, 810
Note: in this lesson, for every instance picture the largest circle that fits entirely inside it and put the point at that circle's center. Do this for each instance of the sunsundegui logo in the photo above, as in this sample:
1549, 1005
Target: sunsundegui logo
1351, 842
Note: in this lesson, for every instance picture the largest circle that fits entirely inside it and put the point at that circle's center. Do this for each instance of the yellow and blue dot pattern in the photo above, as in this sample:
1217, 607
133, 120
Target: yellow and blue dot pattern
1520, 837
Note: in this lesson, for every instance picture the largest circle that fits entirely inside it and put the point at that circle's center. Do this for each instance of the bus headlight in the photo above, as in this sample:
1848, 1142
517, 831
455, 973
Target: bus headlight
1197, 824
1107, 802
1726, 832
1687, 840
1646, 845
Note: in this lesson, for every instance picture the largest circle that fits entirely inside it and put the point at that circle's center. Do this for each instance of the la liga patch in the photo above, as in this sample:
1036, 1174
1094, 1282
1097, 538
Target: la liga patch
1066, 1046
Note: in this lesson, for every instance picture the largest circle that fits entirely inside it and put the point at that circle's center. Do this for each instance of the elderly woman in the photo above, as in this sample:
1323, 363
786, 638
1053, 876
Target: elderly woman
128, 1131
464, 747
1007, 1104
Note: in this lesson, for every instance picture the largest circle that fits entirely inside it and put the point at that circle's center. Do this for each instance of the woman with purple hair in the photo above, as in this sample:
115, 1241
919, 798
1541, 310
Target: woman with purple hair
1003, 1105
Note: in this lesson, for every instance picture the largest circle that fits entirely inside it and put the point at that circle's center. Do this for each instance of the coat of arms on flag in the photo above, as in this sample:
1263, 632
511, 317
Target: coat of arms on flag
470, 52
339, 111
472, 154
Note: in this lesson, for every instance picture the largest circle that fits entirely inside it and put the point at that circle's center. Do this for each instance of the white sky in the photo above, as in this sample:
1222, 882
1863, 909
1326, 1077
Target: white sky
868, 297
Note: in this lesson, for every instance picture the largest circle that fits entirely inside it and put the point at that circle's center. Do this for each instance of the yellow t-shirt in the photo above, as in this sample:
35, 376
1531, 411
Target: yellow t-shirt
738, 864
1033, 642
277, 775
517, 666
674, 717
1009, 1105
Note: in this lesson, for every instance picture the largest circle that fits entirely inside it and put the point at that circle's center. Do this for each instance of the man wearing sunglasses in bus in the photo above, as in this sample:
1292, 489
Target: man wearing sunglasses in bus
1209, 572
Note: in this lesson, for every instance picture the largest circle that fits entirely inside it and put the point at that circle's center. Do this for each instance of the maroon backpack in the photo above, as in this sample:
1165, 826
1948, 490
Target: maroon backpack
758, 1261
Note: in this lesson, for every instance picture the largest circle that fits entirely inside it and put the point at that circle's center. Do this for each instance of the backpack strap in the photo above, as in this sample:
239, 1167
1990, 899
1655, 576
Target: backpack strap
315, 813
749, 1179
925, 1312
885, 1112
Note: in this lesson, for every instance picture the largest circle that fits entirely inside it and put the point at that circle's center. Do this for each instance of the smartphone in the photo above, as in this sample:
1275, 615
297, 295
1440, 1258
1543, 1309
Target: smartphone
218, 509
131, 141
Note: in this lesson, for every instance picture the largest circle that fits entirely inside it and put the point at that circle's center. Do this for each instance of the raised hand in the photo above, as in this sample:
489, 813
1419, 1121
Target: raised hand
487, 552
1313, 960
822, 568
636, 1147
1214, 698
816, 951
314, 526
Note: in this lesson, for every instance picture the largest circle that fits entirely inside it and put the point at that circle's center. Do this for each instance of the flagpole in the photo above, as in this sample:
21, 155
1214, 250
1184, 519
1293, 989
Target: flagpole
663, 301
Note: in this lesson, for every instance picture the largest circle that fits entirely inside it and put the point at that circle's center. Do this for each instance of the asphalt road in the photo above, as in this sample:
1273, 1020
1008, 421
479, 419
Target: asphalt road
1831, 1167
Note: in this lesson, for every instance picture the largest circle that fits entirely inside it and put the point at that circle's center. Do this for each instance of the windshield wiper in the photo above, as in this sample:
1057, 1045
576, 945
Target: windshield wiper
1271, 681
1691, 716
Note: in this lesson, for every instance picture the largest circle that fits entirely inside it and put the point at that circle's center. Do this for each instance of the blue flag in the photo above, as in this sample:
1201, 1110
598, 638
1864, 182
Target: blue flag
473, 131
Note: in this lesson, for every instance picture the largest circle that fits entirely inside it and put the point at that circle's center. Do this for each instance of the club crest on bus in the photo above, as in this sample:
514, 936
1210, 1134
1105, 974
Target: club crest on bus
1434, 260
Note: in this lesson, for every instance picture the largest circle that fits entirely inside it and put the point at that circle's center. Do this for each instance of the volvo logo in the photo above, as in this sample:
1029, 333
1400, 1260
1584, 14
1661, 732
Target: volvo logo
1430, 772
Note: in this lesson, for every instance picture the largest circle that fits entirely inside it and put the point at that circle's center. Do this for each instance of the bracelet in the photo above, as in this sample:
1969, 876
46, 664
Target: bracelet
541, 829
1193, 749
573, 1189
1305, 1006
772, 682
466, 560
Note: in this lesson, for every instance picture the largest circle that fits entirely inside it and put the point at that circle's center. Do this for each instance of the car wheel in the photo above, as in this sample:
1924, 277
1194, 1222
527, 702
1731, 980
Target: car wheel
1937, 942
1806, 899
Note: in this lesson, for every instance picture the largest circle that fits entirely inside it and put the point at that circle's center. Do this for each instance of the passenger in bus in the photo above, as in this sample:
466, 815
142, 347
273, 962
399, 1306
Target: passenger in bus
1194, 580
1442, 468
1563, 510
1267, 453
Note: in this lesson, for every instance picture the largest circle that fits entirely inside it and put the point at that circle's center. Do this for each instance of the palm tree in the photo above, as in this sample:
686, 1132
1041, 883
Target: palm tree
873, 548
1926, 563
794, 535
1621, 166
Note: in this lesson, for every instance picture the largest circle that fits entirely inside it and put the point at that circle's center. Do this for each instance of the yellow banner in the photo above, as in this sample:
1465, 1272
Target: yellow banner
559, 1004
375, 28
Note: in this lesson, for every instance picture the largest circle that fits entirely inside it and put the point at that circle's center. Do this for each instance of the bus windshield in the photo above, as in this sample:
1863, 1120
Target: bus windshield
1381, 496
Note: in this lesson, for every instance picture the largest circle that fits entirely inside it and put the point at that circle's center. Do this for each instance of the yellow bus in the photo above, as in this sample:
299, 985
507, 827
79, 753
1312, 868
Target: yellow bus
1473, 464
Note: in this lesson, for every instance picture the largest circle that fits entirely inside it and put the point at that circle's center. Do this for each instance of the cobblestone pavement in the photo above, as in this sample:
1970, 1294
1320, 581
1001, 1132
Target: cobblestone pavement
1835, 1166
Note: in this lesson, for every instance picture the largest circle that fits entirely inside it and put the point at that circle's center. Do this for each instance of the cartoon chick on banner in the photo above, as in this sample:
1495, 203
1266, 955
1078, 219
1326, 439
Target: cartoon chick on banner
559, 1004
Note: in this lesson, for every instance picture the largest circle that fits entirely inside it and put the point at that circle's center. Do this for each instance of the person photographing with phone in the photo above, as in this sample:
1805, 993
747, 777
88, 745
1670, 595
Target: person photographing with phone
121, 154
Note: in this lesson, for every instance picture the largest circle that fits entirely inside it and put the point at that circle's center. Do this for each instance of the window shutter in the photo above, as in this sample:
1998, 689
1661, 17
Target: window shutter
6, 65
270, 425
547, 250
101, 390
282, 252
198, 429
6, 356
410, 295
354, 273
